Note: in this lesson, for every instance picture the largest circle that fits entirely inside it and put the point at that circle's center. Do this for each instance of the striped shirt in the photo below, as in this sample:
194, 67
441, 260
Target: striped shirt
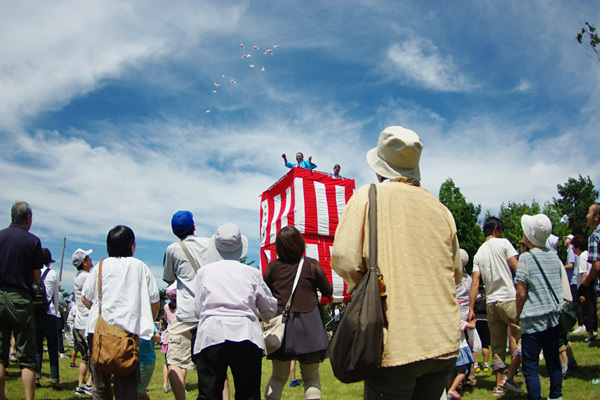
540, 310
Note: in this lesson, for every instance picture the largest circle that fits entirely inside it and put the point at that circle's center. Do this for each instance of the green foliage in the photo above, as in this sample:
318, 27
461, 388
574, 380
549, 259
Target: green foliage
470, 235
511, 214
244, 260
590, 39
576, 197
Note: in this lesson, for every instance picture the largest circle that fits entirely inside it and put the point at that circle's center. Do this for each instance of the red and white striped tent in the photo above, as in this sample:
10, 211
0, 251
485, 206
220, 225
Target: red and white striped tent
312, 202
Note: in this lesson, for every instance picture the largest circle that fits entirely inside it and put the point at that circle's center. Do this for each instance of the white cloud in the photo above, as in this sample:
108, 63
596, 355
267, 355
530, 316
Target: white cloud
523, 86
419, 60
53, 52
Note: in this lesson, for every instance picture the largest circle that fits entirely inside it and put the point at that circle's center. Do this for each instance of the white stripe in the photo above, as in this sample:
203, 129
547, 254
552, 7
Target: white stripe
340, 199
322, 209
268, 255
312, 251
276, 208
337, 282
264, 222
299, 211
288, 205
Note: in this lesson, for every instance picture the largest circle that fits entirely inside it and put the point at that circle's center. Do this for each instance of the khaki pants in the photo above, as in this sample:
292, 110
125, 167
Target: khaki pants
501, 317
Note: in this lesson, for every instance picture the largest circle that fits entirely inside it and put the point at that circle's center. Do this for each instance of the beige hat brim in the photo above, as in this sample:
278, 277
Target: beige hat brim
382, 168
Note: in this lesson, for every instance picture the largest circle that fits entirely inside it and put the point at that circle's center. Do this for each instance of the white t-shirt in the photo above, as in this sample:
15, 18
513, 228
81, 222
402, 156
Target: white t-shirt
81, 317
128, 290
583, 267
177, 267
52, 293
491, 261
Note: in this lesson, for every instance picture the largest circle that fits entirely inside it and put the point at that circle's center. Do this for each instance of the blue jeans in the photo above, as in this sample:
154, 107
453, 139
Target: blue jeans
45, 326
531, 344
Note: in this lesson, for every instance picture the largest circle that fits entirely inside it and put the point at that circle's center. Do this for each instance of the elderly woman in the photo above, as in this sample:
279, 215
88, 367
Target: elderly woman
130, 301
539, 289
305, 339
229, 299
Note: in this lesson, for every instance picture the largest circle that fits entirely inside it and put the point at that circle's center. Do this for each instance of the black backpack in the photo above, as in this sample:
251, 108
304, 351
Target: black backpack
40, 300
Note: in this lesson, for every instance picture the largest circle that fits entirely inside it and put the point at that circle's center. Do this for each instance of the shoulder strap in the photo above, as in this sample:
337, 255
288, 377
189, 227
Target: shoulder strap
189, 256
100, 287
289, 302
545, 278
44, 275
373, 227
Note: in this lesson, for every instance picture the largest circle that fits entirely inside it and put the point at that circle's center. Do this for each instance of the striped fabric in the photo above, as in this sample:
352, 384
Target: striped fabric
312, 202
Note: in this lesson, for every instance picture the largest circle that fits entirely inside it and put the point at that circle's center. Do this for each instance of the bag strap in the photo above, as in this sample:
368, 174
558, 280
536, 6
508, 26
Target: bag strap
373, 227
189, 256
545, 278
44, 275
289, 302
100, 288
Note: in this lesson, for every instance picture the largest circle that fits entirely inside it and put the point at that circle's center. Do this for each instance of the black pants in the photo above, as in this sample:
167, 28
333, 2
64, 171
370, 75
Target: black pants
577, 305
244, 359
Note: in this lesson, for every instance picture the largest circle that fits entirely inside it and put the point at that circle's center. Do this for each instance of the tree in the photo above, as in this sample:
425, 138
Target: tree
470, 235
576, 197
590, 39
511, 214
244, 260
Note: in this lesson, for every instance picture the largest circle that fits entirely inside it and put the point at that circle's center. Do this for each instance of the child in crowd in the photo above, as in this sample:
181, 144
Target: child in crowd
147, 361
169, 310
483, 331
463, 362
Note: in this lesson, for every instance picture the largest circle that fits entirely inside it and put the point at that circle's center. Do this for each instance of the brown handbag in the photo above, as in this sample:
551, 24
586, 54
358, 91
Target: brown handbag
114, 350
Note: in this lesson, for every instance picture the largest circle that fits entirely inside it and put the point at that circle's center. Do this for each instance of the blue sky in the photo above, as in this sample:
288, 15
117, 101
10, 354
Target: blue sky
103, 106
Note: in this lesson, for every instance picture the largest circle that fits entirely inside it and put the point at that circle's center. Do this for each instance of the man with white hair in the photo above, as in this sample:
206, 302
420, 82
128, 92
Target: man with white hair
420, 261
20, 264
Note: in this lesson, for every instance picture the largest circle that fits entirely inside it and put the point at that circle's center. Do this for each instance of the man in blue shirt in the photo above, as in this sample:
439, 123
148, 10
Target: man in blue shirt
302, 163
20, 264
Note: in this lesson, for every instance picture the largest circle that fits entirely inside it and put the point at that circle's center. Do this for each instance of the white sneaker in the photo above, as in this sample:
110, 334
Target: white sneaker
63, 356
578, 330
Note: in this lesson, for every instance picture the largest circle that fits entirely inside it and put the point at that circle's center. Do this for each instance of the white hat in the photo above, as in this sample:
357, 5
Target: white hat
537, 228
397, 154
464, 257
228, 243
552, 242
79, 255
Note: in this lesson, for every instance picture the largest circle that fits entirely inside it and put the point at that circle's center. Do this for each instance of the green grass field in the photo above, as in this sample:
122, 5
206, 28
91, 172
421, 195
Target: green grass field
577, 387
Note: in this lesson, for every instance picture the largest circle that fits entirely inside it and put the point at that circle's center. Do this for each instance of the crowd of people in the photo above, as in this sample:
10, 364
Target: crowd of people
438, 317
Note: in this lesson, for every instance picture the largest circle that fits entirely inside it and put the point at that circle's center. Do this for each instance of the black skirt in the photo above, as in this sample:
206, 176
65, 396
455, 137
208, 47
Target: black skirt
305, 339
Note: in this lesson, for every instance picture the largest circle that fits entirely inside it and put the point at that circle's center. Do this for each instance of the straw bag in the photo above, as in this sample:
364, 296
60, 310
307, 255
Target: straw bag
274, 330
357, 345
114, 350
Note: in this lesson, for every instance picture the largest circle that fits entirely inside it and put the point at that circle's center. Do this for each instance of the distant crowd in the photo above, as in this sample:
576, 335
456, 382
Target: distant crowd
439, 321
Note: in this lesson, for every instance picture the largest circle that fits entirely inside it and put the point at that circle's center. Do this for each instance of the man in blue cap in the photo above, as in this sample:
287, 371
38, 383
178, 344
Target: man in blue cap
182, 260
